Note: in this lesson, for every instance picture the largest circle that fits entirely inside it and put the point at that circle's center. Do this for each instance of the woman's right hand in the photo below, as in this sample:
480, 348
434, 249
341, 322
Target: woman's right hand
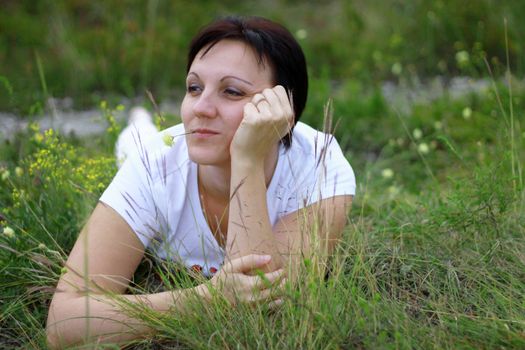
239, 281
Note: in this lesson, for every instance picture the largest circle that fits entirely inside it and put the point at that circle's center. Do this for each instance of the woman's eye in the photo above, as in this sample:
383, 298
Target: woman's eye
193, 88
233, 92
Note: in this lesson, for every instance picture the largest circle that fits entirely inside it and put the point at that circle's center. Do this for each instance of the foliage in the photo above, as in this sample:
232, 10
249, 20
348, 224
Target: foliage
433, 255
44, 200
84, 49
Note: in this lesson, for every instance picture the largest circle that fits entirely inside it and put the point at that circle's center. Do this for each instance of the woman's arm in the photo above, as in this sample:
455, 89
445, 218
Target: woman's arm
266, 120
102, 261
312, 232
249, 228
87, 305
298, 235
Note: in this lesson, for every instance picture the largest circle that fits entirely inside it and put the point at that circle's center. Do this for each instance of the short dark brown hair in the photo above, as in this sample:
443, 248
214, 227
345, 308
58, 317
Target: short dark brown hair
272, 43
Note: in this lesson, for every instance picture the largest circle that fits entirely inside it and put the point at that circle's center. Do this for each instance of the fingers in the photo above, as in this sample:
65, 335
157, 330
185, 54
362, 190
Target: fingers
250, 110
237, 286
264, 281
275, 304
275, 100
272, 294
280, 96
248, 263
257, 98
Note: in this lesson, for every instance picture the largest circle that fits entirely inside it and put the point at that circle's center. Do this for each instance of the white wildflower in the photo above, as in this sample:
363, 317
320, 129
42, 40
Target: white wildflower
301, 34
417, 133
462, 58
9, 232
5, 175
19, 171
423, 148
387, 173
467, 113
393, 190
397, 68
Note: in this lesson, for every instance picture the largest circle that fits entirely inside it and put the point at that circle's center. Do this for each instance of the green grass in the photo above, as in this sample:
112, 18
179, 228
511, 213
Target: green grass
433, 256
434, 253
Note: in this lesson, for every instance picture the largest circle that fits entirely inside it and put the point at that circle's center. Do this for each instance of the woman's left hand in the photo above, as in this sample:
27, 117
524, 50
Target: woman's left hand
268, 117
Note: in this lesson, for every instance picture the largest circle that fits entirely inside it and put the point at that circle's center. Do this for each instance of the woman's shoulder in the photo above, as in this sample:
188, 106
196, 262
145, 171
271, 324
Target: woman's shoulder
309, 141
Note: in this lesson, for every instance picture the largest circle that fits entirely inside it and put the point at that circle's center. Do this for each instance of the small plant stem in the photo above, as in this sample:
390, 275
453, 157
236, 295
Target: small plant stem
427, 167
511, 111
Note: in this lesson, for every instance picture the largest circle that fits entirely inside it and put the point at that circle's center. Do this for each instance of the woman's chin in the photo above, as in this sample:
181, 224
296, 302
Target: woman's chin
207, 158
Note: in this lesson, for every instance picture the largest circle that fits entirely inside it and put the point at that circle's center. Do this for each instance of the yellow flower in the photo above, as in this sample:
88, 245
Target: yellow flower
167, 139
387, 173
9, 232
5, 175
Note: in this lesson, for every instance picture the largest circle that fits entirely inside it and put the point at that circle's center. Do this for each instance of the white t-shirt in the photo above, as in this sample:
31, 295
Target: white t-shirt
156, 192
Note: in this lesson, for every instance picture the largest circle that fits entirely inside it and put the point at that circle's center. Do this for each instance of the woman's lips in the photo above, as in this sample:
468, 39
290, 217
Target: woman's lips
204, 133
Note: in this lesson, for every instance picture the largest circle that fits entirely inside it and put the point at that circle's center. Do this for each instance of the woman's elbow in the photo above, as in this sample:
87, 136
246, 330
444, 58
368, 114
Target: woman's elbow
56, 318
52, 337
52, 340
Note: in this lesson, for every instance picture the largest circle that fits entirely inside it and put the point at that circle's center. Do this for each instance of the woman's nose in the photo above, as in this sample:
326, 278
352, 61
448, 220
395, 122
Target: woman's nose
205, 106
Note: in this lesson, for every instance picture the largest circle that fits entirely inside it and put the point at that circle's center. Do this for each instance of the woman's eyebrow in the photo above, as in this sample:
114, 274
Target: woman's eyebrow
224, 78
237, 78
193, 73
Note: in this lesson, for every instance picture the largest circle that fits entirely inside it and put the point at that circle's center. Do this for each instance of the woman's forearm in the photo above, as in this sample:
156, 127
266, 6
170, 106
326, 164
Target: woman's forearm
249, 227
97, 318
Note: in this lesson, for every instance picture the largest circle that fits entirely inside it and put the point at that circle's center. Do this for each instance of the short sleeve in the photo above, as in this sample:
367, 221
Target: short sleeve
331, 175
131, 194
314, 169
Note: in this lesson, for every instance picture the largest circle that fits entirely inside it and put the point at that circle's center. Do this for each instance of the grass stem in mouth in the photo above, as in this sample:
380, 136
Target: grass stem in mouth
185, 133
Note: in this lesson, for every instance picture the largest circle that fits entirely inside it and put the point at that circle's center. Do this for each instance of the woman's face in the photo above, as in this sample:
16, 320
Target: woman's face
218, 86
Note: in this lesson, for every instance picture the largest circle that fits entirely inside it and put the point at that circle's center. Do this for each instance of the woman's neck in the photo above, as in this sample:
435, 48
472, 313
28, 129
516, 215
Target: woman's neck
215, 179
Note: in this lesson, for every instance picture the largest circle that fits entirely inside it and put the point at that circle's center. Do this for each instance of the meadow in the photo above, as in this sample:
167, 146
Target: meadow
434, 253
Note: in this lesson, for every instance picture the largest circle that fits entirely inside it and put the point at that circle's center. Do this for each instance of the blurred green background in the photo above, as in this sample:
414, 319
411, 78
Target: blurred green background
88, 49
427, 114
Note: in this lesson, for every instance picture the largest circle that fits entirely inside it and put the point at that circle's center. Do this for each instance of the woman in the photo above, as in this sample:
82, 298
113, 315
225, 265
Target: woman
225, 196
